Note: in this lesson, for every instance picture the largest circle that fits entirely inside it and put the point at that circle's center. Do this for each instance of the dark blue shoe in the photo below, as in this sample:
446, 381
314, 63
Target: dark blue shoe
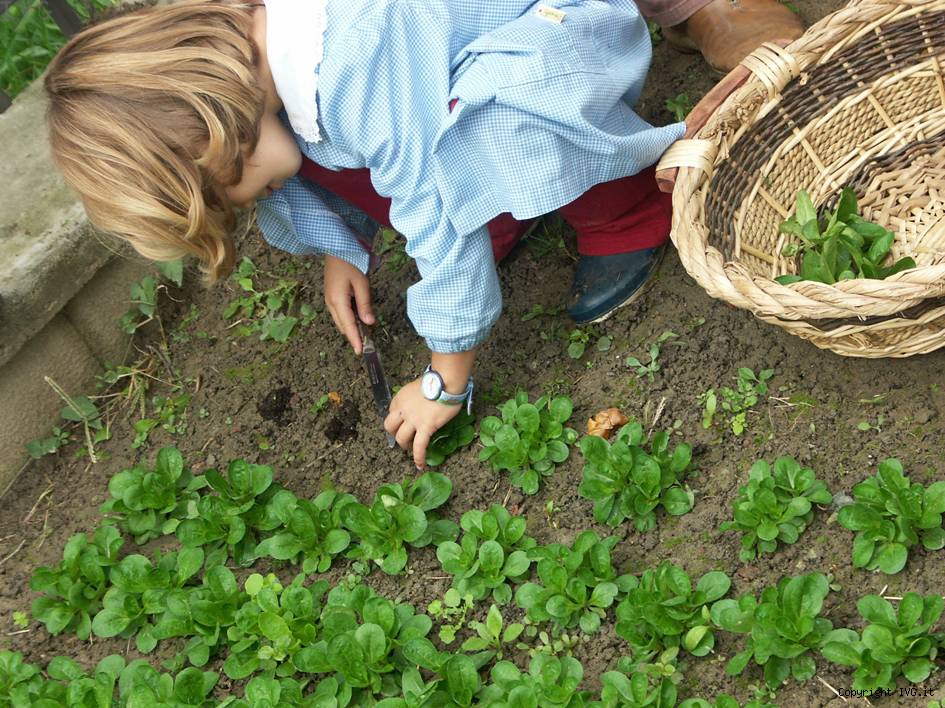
602, 284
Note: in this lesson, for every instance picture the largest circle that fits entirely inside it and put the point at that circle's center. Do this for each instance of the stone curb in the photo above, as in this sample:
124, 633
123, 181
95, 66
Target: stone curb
62, 290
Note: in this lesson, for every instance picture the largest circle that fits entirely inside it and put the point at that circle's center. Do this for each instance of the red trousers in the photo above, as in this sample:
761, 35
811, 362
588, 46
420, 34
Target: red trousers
625, 215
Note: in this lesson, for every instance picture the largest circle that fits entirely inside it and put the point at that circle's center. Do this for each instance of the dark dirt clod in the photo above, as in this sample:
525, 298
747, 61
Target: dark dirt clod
274, 404
343, 423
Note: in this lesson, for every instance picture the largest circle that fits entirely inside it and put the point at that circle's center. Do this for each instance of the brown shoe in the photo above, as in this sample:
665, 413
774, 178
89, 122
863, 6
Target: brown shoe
726, 31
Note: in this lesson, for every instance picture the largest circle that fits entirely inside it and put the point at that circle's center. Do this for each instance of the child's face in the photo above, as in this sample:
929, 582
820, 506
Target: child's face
275, 159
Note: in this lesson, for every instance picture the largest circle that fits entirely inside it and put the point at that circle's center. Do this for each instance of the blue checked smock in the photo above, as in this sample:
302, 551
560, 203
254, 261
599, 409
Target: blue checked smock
543, 113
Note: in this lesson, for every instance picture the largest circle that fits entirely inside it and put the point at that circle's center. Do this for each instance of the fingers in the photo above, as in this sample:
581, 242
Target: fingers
420, 441
362, 296
345, 321
392, 421
405, 434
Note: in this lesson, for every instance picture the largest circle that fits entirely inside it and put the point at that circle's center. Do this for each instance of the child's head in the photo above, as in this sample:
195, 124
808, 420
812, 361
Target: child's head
152, 116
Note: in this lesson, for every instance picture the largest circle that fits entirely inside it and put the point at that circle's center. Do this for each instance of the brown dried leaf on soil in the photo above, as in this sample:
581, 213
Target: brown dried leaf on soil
335, 398
604, 423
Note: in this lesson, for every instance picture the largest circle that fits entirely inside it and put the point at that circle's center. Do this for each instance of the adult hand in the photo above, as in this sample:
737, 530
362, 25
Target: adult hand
413, 420
342, 283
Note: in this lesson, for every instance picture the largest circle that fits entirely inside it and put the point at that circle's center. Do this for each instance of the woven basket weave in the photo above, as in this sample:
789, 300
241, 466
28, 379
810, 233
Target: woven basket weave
858, 101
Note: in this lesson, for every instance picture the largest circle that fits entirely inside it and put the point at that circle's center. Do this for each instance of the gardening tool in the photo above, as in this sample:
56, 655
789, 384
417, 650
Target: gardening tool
379, 386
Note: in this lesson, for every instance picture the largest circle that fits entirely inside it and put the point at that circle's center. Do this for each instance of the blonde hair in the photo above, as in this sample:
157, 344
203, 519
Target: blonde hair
149, 116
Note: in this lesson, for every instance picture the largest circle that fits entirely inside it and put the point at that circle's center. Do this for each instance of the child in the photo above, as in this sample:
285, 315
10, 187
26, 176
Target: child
461, 115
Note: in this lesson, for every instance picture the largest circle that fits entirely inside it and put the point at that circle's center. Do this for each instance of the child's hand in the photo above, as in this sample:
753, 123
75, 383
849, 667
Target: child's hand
413, 420
342, 282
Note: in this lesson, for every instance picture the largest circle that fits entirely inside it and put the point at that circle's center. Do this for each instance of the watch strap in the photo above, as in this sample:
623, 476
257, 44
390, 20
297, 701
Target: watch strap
453, 399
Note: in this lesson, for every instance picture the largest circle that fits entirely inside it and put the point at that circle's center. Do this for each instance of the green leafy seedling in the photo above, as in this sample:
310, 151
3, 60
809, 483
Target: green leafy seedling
392, 248
73, 590
201, 615
648, 685
894, 643
264, 312
150, 502
736, 403
231, 520
398, 517
662, 610
451, 613
529, 439
367, 642
48, 445
578, 584
784, 627
310, 531
492, 554
170, 414
680, 106
456, 434
890, 515
493, 634
625, 480
775, 507
651, 368
550, 681
144, 295
140, 593
273, 625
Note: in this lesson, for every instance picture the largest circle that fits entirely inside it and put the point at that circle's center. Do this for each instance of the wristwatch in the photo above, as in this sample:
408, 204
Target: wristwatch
431, 383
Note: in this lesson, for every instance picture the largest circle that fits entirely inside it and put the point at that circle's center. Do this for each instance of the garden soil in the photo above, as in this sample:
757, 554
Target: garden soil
254, 399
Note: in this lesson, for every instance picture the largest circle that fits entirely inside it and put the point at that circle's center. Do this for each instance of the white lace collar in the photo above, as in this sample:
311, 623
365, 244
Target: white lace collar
294, 35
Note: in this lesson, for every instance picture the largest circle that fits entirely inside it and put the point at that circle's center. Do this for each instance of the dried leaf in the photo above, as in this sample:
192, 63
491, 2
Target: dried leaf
335, 398
606, 422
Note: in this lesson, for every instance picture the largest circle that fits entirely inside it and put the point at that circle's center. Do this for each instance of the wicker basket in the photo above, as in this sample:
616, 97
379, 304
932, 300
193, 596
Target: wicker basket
858, 101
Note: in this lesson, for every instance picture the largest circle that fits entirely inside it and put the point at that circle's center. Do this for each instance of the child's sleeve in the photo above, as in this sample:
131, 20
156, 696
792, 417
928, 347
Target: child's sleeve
304, 219
384, 102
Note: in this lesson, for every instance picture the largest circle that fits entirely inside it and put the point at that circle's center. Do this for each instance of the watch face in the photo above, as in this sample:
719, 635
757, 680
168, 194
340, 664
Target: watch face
431, 385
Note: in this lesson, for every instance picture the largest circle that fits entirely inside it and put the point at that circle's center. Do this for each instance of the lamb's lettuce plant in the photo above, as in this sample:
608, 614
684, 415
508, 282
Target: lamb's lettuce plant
632, 476
22, 684
775, 506
551, 682
140, 593
273, 625
266, 692
784, 627
149, 503
724, 701
140, 684
492, 554
364, 642
399, 516
202, 616
662, 610
230, 520
894, 643
577, 584
890, 515
310, 532
456, 434
529, 439
73, 590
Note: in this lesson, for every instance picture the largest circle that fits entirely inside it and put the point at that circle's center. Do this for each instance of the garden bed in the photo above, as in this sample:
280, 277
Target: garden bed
265, 402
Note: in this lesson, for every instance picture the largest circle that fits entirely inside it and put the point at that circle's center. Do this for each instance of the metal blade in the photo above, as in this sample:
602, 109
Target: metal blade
378, 380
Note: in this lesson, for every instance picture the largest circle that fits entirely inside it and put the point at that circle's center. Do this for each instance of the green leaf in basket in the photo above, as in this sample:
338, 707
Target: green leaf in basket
813, 268
847, 247
805, 208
